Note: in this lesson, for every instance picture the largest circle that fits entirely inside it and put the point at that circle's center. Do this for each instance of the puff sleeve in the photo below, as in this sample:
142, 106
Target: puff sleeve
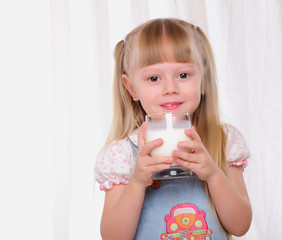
114, 164
237, 152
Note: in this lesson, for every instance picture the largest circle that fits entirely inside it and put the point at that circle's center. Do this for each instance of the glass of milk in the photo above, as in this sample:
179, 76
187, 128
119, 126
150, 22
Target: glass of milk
170, 127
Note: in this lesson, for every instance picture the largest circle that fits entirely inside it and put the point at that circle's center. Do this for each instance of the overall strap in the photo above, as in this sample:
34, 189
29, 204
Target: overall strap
133, 147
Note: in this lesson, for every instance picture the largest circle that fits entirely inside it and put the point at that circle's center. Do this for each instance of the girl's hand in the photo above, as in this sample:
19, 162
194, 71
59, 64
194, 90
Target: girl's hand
194, 156
146, 165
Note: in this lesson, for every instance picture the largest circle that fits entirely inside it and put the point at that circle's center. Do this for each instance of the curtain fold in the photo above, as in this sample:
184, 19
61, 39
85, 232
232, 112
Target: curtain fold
62, 99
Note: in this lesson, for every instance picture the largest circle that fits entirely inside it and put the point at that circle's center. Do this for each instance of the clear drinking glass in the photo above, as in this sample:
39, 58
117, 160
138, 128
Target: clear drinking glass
170, 127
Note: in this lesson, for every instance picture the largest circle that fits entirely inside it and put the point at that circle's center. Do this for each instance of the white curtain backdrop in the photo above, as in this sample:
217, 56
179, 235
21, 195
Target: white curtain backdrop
56, 70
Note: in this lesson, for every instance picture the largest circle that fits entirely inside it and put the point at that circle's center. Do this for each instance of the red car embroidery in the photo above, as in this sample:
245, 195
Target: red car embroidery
186, 222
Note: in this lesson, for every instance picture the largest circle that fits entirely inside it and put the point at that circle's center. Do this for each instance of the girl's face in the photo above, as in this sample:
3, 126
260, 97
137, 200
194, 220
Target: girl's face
166, 87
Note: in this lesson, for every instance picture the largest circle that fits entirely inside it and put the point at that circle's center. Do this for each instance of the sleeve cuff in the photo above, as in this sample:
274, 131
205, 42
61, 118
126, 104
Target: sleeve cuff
239, 163
110, 183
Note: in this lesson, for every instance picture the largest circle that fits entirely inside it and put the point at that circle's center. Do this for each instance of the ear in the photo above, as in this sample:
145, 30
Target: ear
128, 85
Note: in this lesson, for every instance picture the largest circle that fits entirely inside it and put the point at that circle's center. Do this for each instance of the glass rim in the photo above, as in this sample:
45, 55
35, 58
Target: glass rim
165, 113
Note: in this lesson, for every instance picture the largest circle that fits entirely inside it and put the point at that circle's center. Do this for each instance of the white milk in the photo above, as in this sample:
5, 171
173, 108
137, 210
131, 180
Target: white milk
170, 137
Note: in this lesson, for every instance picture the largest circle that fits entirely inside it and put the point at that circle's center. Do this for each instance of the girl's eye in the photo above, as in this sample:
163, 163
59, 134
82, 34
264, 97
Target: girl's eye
154, 79
183, 75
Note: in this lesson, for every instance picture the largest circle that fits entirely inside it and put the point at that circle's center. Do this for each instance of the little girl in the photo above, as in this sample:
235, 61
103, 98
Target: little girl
166, 65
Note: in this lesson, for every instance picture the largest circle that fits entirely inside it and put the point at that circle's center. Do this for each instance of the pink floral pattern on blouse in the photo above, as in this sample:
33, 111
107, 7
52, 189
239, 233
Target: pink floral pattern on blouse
115, 162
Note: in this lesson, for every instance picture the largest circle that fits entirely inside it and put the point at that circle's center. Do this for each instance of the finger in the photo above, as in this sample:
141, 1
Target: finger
190, 145
150, 146
161, 160
188, 165
192, 134
142, 135
160, 167
186, 156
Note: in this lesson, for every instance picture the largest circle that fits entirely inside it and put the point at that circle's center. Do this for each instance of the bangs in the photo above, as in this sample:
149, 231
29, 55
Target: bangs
165, 41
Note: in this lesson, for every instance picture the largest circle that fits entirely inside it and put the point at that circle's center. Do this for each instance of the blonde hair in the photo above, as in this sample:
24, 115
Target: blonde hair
189, 44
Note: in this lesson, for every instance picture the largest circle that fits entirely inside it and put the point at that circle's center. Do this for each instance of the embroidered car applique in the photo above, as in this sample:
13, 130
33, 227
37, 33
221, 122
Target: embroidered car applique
186, 222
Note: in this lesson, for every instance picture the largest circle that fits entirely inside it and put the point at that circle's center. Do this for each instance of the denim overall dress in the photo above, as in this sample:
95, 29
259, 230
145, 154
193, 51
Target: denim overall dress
177, 209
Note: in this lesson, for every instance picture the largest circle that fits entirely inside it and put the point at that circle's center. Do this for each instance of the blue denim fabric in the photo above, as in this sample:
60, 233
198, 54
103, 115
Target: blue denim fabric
159, 201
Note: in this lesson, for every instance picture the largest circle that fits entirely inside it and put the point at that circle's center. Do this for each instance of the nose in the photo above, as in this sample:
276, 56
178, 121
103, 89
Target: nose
170, 86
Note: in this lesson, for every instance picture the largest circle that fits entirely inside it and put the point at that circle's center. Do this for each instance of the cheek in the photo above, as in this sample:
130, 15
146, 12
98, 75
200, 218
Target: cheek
198, 91
146, 100
193, 91
195, 99
198, 97
146, 95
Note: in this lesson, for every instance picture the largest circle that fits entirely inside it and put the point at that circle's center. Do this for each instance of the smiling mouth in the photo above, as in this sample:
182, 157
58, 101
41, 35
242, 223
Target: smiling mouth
171, 106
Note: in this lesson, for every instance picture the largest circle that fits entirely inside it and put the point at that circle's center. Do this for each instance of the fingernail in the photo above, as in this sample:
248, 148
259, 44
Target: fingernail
170, 160
160, 141
175, 152
180, 144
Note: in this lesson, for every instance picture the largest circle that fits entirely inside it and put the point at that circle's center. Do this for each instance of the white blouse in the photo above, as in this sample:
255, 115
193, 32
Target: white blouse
115, 162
